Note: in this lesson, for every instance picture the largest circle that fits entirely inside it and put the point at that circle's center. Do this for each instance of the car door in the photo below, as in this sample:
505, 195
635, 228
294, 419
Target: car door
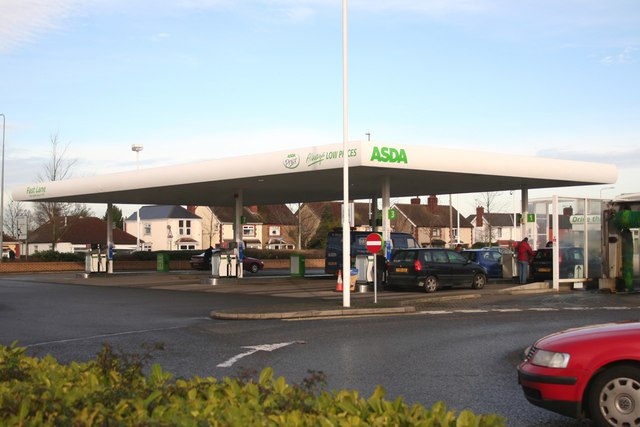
440, 266
493, 263
459, 268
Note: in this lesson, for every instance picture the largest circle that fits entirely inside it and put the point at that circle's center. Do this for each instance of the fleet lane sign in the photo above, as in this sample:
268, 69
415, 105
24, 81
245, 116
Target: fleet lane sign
374, 243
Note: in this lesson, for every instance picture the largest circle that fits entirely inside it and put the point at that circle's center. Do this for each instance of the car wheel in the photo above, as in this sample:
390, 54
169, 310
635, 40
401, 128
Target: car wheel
254, 268
614, 397
479, 280
430, 284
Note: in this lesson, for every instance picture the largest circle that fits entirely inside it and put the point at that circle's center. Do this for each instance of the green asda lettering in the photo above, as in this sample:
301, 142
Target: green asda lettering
389, 155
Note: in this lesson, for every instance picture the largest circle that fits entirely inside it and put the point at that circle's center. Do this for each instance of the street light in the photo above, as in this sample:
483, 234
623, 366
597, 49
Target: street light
137, 148
2, 192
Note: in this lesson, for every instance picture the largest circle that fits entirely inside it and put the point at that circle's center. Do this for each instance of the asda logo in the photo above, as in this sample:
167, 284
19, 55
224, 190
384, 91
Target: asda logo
291, 161
389, 155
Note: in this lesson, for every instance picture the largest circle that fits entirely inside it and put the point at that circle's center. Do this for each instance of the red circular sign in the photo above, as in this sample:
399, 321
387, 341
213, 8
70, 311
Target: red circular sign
374, 243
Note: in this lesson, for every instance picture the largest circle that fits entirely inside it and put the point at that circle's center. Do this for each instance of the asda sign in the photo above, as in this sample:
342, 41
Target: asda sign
388, 155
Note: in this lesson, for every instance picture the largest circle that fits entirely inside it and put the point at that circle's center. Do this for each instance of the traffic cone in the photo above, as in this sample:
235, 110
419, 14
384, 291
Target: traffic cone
339, 284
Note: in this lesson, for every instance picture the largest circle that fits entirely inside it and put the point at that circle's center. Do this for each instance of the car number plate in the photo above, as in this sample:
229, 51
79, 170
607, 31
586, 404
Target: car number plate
401, 269
544, 270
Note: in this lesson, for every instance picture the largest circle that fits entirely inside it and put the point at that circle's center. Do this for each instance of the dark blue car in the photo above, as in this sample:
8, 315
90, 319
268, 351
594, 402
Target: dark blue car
489, 258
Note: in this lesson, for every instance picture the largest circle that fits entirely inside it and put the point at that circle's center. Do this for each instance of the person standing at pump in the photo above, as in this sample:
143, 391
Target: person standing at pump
524, 254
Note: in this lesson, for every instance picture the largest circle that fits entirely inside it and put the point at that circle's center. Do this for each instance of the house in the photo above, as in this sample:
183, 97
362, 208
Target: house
166, 227
489, 227
320, 217
77, 234
432, 224
10, 244
263, 227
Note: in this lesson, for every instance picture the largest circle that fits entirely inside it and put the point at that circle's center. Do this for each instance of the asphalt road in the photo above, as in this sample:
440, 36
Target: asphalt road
465, 359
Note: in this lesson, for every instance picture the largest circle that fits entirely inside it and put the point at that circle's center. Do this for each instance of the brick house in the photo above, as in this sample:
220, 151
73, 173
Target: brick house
312, 215
489, 227
432, 224
263, 227
77, 234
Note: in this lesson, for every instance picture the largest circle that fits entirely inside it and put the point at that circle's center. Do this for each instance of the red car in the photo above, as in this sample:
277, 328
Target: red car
591, 372
249, 264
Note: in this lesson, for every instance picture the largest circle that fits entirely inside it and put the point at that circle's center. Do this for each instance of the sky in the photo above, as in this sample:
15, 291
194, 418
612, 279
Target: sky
202, 79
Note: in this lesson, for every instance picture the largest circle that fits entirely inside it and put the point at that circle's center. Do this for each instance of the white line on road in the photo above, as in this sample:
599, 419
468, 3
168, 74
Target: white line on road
515, 310
255, 349
142, 331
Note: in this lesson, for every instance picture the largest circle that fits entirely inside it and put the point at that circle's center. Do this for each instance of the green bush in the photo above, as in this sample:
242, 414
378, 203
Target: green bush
112, 391
55, 256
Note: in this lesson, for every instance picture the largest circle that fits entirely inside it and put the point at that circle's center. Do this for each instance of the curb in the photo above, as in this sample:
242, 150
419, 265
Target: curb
312, 313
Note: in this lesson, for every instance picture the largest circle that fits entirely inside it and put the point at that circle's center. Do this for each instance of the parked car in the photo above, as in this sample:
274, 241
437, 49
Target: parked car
489, 258
249, 264
431, 268
590, 372
571, 263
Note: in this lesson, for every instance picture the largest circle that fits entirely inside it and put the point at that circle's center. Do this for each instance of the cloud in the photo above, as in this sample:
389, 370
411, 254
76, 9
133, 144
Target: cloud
24, 21
624, 57
159, 37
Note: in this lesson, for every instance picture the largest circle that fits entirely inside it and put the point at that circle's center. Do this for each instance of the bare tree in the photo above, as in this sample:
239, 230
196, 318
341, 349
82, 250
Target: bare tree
491, 203
14, 210
57, 168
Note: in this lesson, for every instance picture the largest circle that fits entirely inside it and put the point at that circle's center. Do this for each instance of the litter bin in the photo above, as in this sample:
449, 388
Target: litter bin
163, 262
297, 266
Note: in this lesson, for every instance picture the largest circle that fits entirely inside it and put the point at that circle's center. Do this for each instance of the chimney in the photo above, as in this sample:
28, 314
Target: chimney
432, 202
415, 200
253, 208
191, 209
479, 215
567, 211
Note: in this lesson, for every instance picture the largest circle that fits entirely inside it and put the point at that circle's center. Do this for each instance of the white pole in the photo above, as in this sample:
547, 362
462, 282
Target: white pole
458, 219
138, 148
555, 255
346, 234
4, 124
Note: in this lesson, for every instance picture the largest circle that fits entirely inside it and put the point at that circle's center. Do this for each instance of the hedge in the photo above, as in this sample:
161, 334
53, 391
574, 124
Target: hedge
113, 391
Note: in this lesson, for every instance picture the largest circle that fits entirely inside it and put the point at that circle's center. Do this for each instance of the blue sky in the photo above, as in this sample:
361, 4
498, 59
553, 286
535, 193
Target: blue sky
198, 79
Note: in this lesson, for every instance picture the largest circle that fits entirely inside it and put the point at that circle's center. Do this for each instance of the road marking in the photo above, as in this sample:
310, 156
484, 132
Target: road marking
141, 331
516, 310
255, 349
437, 312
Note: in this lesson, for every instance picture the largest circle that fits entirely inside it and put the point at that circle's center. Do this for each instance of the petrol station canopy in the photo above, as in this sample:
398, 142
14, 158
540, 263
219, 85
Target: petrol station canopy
315, 174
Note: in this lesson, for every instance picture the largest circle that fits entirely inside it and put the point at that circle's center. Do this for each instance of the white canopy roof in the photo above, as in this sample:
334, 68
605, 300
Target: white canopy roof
315, 174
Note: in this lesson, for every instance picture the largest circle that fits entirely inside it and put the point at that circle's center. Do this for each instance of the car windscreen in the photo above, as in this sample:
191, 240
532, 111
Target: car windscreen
403, 241
403, 256
543, 255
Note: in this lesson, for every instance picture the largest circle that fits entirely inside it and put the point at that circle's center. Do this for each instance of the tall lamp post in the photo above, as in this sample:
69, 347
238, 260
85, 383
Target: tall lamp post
2, 192
137, 148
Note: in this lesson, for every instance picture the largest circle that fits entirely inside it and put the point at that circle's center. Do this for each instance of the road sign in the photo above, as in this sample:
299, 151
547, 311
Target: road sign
22, 227
374, 243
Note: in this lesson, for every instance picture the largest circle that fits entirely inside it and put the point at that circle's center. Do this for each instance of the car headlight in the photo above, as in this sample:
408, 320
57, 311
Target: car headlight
550, 359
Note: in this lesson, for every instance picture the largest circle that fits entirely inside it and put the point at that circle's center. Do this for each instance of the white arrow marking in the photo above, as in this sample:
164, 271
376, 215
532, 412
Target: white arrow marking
255, 349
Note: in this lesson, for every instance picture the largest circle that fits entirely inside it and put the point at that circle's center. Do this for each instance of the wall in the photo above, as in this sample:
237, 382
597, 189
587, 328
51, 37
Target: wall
39, 267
